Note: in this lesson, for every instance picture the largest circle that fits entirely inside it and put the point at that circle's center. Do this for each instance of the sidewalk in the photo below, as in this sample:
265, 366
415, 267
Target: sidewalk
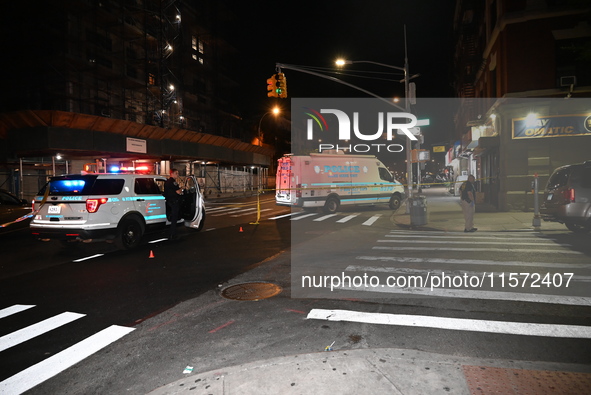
397, 371
445, 214
386, 371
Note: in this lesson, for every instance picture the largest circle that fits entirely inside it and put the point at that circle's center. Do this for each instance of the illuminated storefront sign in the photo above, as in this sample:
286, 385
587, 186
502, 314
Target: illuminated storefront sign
535, 126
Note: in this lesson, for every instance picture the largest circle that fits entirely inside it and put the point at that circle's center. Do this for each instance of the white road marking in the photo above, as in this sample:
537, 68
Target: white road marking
250, 213
470, 294
474, 249
17, 308
451, 272
286, 215
302, 217
541, 243
44, 370
209, 209
229, 211
442, 232
471, 237
88, 257
371, 221
31, 331
473, 262
325, 217
347, 218
157, 241
460, 324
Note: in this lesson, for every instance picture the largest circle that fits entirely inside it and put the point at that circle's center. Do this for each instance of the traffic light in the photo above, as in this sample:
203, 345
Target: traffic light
281, 85
272, 86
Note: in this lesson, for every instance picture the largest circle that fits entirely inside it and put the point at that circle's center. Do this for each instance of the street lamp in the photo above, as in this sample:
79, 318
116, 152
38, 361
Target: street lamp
275, 111
342, 62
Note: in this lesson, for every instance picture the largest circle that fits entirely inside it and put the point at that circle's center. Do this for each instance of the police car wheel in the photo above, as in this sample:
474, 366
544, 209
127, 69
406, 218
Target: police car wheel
129, 233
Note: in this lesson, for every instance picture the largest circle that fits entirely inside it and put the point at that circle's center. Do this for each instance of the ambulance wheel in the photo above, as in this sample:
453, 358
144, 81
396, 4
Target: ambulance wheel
331, 206
394, 202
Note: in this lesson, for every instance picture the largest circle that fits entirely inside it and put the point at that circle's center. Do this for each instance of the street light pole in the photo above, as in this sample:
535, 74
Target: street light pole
407, 77
275, 111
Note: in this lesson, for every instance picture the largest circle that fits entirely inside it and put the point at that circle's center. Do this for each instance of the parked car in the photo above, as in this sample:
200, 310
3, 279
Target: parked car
567, 198
121, 207
13, 210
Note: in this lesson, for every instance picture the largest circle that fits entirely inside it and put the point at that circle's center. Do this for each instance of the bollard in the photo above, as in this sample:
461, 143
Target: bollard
537, 221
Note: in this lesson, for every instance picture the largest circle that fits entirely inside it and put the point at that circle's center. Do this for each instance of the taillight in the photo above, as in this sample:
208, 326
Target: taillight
569, 195
92, 205
299, 190
33, 205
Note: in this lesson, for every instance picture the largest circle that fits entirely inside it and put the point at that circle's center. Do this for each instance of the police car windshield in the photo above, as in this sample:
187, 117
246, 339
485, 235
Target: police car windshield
82, 185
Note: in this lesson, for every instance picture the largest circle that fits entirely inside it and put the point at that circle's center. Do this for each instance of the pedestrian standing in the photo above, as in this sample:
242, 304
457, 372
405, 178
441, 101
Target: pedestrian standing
172, 194
468, 203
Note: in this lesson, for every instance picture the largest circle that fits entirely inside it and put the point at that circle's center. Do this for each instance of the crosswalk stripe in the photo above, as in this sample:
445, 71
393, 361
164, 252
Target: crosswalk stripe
347, 218
17, 308
439, 272
44, 370
541, 243
461, 324
480, 294
230, 211
22, 335
249, 213
324, 217
208, 209
463, 236
475, 262
371, 221
302, 217
285, 215
474, 249
442, 232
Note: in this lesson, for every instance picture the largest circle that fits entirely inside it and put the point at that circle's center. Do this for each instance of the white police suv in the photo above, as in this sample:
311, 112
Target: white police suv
120, 207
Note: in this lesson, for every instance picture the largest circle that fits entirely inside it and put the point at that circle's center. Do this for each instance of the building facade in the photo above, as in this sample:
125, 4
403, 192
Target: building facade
84, 77
523, 79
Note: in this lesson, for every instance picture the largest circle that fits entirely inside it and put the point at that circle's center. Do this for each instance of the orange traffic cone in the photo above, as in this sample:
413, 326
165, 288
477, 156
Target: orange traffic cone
241, 229
151, 254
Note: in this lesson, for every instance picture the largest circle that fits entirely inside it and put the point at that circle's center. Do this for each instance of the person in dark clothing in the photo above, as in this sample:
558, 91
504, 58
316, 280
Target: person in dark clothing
172, 194
468, 197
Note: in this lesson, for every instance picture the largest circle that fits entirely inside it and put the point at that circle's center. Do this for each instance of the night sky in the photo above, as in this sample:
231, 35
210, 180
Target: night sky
315, 34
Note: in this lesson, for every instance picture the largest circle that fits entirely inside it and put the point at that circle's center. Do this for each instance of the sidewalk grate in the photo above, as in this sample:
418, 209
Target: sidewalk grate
251, 291
484, 380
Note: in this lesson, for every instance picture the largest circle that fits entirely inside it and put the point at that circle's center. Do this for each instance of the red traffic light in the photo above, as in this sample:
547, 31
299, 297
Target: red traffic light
272, 86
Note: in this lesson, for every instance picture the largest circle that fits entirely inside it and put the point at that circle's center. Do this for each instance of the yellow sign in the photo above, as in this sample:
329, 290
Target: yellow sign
439, 148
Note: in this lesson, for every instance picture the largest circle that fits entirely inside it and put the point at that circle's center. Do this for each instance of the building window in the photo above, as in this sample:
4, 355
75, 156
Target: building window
197, 49
151, 79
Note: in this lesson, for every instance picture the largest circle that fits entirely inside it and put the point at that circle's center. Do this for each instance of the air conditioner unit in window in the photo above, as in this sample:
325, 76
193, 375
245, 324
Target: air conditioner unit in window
568, 80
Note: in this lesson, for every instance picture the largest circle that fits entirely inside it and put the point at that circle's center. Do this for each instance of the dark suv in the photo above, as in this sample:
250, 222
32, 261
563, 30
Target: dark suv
567, 198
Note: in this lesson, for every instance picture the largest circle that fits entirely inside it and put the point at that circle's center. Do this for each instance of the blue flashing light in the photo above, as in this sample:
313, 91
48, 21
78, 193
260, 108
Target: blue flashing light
115, 169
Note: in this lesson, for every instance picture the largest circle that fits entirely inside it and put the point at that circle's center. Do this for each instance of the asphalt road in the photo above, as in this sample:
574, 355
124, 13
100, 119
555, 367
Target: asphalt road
173, 302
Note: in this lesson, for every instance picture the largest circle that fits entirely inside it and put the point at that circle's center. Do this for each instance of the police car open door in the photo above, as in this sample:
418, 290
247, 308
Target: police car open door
192, 208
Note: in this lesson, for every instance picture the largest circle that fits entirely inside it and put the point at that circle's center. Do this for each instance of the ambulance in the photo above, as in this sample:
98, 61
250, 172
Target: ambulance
331, 180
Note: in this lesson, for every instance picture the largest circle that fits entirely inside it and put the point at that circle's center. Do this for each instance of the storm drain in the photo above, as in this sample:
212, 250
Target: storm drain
485, 380
251, 291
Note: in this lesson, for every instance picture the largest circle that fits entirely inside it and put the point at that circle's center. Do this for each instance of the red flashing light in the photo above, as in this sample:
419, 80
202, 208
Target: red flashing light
92, 205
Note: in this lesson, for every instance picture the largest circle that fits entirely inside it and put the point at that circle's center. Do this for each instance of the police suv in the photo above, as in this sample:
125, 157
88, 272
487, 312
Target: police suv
120, 207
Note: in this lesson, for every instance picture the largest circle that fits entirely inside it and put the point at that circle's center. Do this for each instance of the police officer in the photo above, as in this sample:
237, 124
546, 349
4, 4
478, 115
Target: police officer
172, 194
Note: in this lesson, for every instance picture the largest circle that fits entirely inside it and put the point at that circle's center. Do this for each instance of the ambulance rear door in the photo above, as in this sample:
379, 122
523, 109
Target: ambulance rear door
285, 188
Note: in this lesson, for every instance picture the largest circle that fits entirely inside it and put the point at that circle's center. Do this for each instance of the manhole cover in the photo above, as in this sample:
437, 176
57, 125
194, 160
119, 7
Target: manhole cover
251, 291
